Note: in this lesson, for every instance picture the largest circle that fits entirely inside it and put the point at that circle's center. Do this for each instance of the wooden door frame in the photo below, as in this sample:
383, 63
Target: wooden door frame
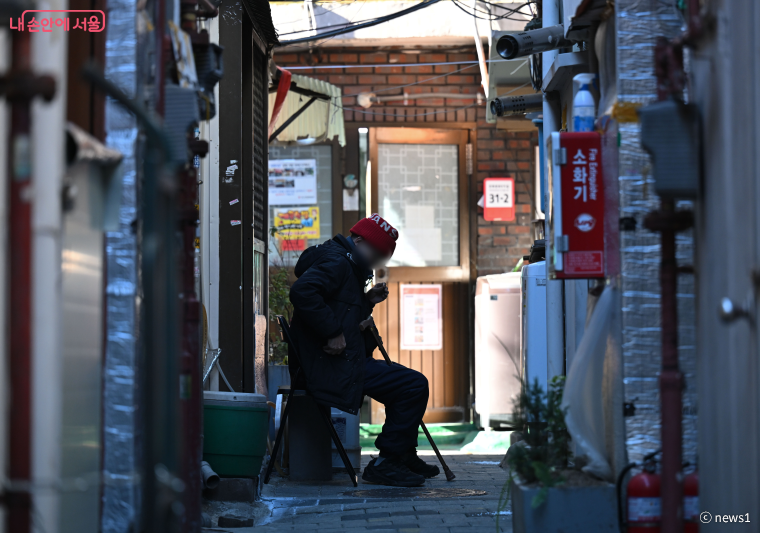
459, 134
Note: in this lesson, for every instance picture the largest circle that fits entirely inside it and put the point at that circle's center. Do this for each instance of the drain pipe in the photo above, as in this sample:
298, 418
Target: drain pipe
669, 71
208, 476
367, 99
479, 48
667, 221
19, 87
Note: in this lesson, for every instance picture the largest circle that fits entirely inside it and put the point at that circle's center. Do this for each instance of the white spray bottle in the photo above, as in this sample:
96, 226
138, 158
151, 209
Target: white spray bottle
584, 106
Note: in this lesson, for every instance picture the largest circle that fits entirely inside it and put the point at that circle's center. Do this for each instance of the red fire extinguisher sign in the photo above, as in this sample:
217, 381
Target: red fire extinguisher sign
577, 218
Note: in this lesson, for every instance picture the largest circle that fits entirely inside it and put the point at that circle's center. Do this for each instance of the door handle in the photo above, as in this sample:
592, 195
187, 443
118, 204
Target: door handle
731, 312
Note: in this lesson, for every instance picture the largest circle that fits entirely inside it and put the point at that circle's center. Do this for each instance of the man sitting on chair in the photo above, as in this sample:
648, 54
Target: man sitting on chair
329, 302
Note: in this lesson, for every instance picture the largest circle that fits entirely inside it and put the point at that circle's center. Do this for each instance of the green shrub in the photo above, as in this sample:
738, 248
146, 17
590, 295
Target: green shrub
279, 304
545, 448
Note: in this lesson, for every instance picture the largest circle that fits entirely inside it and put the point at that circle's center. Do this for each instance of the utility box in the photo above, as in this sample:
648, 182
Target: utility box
533, 343
672, 133
497, 347
576, 216
347, 428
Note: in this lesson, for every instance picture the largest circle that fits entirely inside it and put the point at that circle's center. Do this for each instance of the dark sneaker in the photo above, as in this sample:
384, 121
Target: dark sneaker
393, 472
418, 466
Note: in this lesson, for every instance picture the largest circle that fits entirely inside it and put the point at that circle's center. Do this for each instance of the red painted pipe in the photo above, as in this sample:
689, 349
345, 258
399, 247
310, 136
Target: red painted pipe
19, 284
191, 400
671, 380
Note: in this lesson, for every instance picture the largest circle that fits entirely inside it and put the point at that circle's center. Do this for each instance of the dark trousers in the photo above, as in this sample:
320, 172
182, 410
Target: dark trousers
404, 392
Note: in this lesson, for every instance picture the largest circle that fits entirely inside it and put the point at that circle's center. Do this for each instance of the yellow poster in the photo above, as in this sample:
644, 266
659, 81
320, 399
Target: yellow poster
297, 223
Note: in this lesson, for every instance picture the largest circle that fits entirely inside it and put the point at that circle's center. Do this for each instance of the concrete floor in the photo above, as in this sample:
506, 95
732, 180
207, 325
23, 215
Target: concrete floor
330, 507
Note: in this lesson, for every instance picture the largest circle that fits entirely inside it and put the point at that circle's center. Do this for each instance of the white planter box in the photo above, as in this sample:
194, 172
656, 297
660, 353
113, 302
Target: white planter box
566, 510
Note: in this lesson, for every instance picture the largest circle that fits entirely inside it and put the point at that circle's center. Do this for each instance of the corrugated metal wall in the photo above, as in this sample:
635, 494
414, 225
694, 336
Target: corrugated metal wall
120, 491
638, 24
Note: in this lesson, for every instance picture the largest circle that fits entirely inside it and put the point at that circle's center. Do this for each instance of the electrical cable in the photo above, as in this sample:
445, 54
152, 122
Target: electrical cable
372, 22
357, 26
352, 20
500, 17
432, 64
497, 17
358, 110
464, 7
536, 71
513, 10
344, 24
324, 12
425, 80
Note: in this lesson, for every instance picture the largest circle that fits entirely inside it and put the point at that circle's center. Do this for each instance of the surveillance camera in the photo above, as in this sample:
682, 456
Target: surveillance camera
532, 42
505, 106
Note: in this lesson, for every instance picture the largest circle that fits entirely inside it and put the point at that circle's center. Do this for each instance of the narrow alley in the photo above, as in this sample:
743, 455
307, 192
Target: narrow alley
379, 265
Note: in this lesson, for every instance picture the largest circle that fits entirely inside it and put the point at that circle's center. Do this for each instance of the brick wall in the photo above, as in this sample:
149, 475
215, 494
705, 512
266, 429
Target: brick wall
499, 153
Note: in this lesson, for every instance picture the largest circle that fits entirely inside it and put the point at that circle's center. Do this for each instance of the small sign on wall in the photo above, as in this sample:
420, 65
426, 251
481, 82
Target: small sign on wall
296, 223
421, 319
292, 181
499, 199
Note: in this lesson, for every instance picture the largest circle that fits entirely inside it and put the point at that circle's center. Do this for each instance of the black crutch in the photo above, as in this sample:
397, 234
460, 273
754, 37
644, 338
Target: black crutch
370, 323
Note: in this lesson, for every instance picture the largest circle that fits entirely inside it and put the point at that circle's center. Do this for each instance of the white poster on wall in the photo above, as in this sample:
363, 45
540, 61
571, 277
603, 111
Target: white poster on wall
421, 320
292, 182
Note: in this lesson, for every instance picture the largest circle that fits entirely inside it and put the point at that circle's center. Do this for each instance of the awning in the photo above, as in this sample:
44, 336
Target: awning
322, 120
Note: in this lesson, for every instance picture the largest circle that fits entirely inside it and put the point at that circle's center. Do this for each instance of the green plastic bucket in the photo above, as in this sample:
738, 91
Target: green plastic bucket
235, 427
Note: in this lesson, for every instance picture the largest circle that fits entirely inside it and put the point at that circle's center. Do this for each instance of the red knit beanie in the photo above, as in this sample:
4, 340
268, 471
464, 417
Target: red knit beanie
378, 233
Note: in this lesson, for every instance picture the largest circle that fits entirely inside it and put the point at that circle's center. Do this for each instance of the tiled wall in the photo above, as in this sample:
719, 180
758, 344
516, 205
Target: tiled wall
499, 153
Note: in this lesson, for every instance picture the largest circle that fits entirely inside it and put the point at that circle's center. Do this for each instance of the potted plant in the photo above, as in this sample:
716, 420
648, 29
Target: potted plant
548, 493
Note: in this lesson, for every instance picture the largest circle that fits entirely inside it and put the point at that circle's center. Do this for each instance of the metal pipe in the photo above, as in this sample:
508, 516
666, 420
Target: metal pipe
667, 222
479, 49
421, 96
19, 501
191, 381
209, 477
19, 86
669, 71
291, 118
671, 385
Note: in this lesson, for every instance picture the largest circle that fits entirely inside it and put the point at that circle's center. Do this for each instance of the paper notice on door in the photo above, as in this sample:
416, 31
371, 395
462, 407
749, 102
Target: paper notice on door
421, 320
350, 199
419, 216
419, 241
